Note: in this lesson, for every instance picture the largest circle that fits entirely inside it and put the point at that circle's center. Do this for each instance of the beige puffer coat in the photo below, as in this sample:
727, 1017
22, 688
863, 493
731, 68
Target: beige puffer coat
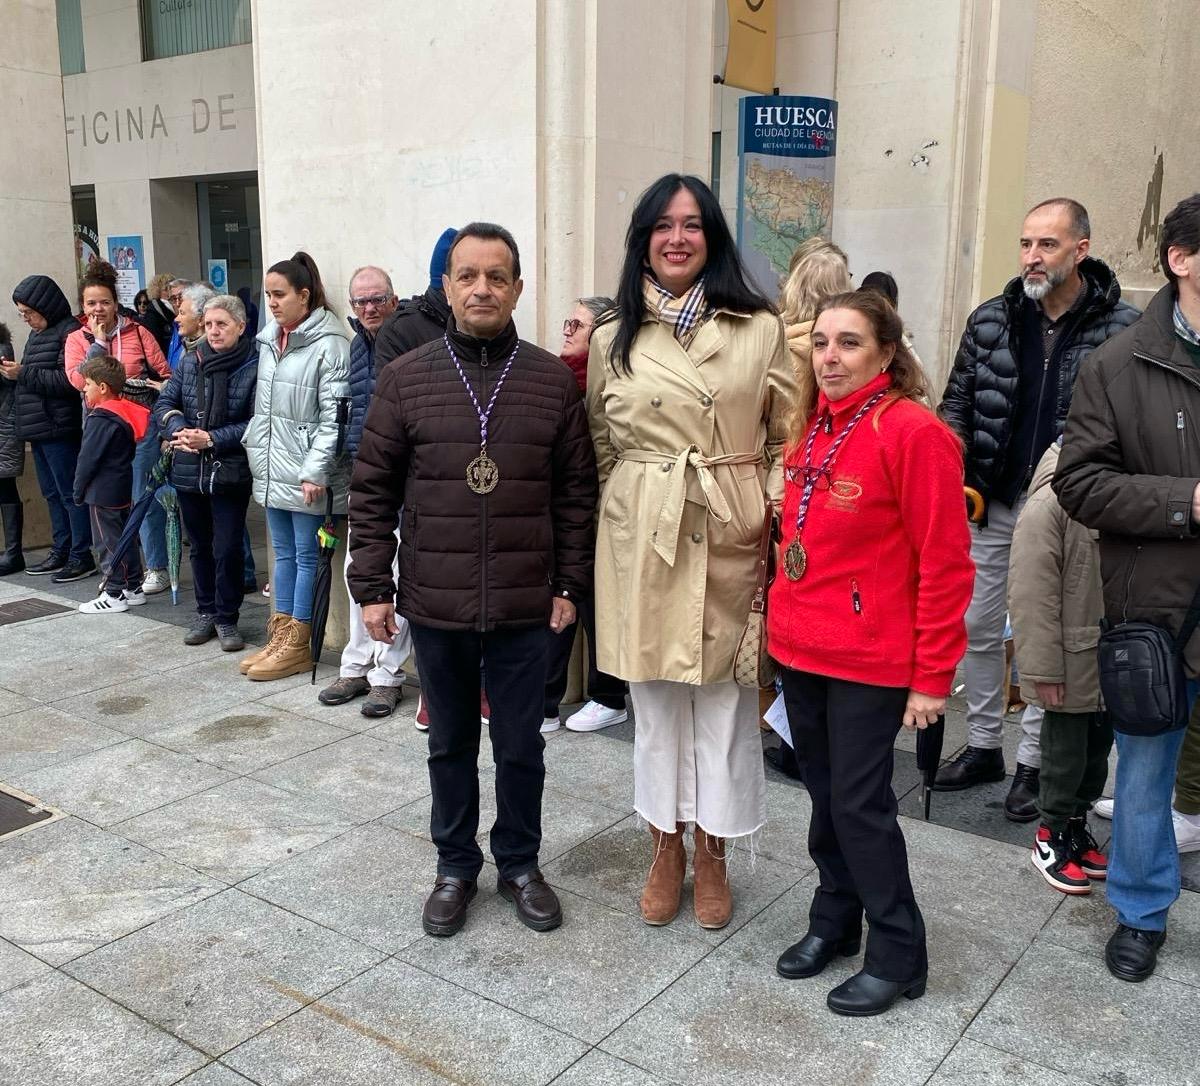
1055, 598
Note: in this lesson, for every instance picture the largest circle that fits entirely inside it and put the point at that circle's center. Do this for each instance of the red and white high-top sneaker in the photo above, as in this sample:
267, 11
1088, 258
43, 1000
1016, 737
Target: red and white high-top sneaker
1092, 862
1052, 856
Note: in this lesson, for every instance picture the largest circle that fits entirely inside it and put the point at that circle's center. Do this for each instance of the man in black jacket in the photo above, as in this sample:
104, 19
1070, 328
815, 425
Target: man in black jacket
49, 416
1007, 399
482, 440
421, 318
1130, 468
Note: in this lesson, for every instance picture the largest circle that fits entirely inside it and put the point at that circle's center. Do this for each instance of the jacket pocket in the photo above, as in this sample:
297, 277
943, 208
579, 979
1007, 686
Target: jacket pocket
859, 612
1081, 638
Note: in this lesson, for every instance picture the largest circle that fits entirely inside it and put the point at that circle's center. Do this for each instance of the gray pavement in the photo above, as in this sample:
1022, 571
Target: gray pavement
232, 895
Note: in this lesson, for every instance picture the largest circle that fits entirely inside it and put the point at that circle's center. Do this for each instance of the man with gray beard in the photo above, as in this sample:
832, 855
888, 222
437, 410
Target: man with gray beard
1007, 399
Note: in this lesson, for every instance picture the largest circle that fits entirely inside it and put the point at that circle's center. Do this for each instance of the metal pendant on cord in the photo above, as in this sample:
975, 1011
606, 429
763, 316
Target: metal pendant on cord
483, 473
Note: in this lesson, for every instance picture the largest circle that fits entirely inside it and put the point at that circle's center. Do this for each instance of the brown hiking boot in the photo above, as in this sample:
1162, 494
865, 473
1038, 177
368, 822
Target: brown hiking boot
275, 627
664, 883
290, 656
714, 901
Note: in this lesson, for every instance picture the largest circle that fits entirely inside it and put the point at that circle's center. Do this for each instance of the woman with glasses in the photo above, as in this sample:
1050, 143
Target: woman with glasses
606, 694
689, 389
291, 441
866, 618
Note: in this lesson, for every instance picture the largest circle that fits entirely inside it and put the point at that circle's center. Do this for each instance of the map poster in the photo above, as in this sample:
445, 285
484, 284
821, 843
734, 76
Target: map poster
125, 254
787, 151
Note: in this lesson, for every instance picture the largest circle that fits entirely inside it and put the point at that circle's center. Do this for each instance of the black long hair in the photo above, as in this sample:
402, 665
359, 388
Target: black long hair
726, 285
302, 274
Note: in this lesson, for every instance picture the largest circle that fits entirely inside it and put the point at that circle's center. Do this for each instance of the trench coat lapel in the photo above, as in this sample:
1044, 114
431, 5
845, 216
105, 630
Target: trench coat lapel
662, 348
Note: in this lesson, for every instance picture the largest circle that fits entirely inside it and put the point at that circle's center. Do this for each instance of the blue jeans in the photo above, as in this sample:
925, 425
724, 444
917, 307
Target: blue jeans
55, 462
1143, 866
294, 539
153, 532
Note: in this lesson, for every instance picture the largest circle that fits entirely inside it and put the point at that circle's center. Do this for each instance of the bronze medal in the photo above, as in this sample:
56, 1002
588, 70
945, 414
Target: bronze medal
483, 474
795, 560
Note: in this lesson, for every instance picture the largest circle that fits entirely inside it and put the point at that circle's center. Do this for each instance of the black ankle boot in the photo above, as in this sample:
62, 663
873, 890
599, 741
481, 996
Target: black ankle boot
975, 765
12, 515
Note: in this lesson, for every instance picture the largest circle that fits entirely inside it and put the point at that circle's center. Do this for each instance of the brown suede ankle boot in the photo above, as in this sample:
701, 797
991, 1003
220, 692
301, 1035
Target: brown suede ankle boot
714, 901
289, 657
275, 627
664, 883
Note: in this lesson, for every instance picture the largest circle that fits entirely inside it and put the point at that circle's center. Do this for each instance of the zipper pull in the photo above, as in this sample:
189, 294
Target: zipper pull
855, 598
1178, 420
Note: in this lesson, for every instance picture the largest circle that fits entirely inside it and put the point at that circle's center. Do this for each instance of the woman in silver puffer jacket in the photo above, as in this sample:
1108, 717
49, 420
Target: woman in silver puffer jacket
291, 442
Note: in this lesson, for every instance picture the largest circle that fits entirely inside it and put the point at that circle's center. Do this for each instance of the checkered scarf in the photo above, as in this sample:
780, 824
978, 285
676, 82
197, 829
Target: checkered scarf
684, 314
1184, 329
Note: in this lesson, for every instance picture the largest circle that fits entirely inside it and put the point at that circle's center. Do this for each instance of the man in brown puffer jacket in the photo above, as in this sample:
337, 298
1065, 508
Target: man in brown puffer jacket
1130, 467
479, 440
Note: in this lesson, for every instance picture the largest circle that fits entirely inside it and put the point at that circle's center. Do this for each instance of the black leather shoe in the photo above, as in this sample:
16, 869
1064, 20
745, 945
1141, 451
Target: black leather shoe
783, 758
76, 570
537, 905
864, 995
974, 766
445, 909
809, 956
1131, 953
1021, 803
52, 563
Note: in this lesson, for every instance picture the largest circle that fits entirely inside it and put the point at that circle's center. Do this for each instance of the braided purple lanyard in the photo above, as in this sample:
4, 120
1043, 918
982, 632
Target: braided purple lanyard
811, 474
483, 415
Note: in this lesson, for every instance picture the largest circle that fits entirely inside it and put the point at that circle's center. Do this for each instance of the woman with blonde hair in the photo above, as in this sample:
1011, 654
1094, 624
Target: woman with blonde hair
818, 270
866, 617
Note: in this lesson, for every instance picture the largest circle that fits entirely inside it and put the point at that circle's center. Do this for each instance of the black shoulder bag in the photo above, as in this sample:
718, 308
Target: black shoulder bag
1142, 677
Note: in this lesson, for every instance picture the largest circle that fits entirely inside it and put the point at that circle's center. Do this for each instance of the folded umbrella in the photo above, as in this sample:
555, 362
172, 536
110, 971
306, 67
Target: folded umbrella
328, 540
929, 757
168, 498
159, 474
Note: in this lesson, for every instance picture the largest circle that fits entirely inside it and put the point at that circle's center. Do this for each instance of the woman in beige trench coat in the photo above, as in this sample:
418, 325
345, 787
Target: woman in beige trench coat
688, 393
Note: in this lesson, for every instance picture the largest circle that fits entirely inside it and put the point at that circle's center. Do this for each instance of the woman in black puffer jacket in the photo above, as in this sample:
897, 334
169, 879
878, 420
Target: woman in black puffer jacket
48, 413
203, 411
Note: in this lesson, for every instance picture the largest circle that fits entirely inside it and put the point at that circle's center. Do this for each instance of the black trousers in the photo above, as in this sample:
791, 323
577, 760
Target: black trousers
215, 524
515, 677
107, 525
843, 733
1075, 748
608, 690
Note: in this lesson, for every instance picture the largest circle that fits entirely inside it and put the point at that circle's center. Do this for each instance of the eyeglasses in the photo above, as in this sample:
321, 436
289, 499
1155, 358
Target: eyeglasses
175, 299
572, 326
377, 300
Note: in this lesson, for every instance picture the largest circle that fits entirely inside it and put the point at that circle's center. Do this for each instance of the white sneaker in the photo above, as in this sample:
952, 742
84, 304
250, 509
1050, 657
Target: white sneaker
1187, 833
594, 716
155, 581
550, 724
1103, 808
134, 597
104, 604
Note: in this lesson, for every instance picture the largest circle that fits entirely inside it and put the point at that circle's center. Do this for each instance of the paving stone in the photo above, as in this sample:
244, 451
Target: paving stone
785, 836
146, 705
567, 821
16, 967
246, 736
56, 1032
729, 1022
370, 884
1085, 924
302, 700
978, 811
1189, 869
119, 781
1131, 1033
69, 888
235, 830
11, 703
611, 868
555, 976
34, 738
400, 1026
216, 1074
223, 671
974, 1064
598, 771
361, 775
220, 972
600, 1069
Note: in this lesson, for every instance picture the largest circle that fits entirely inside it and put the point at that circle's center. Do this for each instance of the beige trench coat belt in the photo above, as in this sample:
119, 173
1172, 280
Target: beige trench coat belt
670, 516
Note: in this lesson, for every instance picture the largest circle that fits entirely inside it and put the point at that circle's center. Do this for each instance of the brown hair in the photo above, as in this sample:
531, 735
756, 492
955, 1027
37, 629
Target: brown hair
103, 369
302, 274
99, 274
908, 381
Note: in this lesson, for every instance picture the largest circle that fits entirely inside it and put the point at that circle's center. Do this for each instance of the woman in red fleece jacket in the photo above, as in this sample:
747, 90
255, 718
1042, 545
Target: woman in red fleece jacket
866, 617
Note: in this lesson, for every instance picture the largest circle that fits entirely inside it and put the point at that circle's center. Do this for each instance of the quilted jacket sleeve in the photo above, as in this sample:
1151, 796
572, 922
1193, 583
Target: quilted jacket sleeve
573, 499
332, 385
958, 400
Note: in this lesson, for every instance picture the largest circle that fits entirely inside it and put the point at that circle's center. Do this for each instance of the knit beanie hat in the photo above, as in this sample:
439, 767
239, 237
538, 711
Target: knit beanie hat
437, 262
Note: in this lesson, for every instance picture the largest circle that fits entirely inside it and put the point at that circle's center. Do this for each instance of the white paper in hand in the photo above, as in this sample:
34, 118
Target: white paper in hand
776, 716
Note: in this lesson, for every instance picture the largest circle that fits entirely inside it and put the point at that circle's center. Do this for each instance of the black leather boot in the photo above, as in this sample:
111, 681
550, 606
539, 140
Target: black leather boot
13, 559
975, 765
1021, 803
